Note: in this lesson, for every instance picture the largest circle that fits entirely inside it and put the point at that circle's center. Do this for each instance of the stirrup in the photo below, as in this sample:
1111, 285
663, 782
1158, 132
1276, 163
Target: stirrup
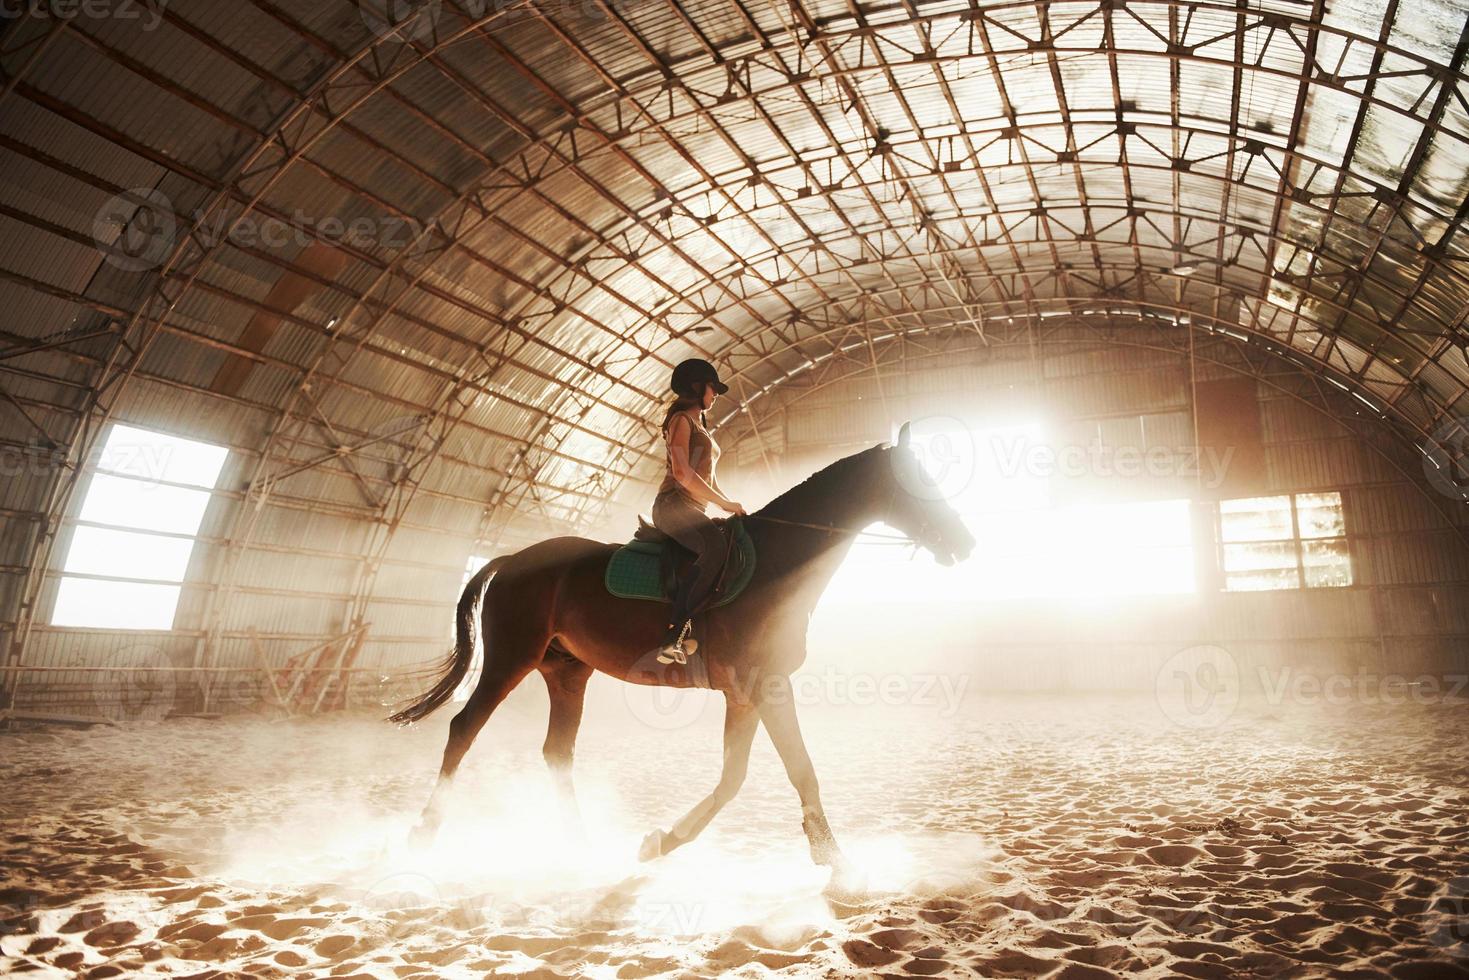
681, 648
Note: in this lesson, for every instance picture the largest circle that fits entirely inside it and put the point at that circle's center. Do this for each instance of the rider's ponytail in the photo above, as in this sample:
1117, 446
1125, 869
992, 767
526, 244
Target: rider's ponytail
682, 404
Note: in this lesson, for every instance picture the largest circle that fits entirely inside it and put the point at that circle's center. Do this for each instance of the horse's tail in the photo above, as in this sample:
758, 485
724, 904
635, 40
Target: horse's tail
456, 665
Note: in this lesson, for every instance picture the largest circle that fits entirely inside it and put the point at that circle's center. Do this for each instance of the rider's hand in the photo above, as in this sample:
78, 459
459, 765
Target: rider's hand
735, 508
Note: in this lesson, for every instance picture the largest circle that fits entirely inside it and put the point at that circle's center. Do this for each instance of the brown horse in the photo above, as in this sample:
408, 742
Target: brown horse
546, 608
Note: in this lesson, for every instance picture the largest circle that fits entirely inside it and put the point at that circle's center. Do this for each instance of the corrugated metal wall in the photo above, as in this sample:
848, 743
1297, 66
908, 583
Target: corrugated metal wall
585, 280
295, 582
1405, 614
293, 585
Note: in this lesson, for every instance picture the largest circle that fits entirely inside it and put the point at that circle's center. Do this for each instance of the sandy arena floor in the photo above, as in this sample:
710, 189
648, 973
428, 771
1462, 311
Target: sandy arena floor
1020, 837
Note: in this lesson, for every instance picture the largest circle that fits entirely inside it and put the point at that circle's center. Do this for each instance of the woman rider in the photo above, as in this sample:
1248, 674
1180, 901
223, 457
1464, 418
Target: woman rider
689, 484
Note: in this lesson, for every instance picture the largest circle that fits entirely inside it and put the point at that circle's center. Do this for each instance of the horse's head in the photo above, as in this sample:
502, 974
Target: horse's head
920, 513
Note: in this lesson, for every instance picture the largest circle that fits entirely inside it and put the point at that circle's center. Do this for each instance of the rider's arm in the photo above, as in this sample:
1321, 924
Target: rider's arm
680, 430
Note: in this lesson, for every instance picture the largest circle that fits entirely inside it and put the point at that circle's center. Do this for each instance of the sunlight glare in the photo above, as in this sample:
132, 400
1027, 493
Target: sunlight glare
1028, 545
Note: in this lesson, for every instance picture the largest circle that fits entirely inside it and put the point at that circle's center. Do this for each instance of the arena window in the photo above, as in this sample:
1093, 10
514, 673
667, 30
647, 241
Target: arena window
135, 534
1290, 541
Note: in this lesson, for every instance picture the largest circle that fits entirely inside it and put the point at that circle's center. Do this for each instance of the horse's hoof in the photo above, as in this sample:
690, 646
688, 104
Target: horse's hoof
652, 846
846, 882
422, 836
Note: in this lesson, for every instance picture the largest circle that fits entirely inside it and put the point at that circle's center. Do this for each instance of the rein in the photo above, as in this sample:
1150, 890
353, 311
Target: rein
833, 528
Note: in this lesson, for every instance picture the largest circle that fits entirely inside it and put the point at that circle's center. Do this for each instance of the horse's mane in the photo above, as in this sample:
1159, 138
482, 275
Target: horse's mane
829, 481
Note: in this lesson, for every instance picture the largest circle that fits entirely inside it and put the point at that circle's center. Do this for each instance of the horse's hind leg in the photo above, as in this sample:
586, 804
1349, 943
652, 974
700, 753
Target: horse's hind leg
566, 683
740, 722
509, 656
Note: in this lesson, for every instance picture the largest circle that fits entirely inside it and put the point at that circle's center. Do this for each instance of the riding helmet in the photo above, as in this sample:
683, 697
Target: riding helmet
692, 373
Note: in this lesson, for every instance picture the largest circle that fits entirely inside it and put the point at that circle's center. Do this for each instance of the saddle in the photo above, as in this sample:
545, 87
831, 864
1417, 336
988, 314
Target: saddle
652, 564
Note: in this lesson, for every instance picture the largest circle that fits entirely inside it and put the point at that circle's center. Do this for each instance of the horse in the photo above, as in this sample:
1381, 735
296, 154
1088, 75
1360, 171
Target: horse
546, 608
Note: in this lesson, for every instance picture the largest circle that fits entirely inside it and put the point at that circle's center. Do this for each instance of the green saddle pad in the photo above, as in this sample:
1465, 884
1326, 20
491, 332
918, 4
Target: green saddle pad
635, 570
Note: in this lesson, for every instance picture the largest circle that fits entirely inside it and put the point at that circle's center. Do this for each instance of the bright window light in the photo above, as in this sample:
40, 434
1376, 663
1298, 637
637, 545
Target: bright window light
115, 605
1143, 547
160, 458
1290, 541
95, 551
136, 530
125, 502
1027, 546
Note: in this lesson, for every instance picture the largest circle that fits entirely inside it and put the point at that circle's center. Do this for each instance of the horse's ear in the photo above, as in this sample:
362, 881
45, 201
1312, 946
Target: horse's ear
904, 434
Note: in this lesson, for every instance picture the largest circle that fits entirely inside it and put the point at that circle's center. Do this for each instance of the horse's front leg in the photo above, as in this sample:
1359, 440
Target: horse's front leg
778, 711
740, 722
